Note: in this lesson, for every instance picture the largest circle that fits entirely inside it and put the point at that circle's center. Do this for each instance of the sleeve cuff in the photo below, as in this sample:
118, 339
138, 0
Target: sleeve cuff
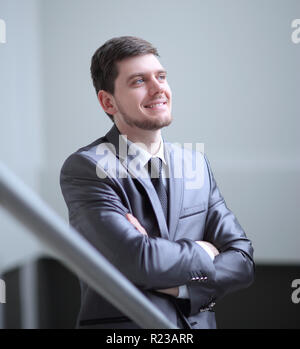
183, 292
207, 249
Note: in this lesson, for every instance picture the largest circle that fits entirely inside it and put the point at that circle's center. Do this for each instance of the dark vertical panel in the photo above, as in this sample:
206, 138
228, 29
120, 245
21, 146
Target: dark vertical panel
12, 307
58, 293
265, 304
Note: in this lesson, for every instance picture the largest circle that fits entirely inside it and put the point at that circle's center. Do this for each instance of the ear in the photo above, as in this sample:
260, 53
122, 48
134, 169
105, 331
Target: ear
107, 102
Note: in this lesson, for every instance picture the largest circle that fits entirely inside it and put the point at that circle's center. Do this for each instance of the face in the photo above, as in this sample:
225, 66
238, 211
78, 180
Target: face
142, 97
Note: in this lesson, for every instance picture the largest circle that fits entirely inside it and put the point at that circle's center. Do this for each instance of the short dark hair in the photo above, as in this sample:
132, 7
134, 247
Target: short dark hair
103, 65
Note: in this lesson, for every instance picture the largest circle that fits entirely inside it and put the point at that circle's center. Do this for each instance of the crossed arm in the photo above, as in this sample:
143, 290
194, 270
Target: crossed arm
233, 253
173, 291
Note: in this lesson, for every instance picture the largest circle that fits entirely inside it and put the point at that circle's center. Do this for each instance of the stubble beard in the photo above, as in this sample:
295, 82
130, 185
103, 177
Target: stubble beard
148, 124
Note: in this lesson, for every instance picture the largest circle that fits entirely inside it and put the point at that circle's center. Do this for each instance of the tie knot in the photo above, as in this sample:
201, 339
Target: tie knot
154, 167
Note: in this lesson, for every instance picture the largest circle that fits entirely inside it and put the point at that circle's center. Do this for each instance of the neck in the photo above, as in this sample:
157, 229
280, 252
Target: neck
150, 138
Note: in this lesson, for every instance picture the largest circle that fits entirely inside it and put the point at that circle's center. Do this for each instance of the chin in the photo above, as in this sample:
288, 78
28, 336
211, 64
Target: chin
164, 122
153, 125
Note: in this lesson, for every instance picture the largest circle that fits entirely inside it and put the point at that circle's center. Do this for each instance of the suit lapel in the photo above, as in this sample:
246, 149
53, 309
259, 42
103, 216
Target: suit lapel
152, 196
125, 159
175, 191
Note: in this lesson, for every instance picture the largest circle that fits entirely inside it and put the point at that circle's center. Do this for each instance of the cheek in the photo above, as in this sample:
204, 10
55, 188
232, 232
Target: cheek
135, 100
127, 101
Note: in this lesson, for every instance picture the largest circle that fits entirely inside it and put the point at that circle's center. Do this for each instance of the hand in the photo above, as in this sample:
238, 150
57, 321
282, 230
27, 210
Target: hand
174, 291
136, 223
210, 246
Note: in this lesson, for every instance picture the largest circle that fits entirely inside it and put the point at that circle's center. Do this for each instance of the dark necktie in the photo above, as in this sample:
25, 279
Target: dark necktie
154, 169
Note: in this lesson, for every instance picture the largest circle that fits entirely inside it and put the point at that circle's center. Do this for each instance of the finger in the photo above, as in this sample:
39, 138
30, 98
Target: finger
142, 230
136, 223
140, 227
132, 219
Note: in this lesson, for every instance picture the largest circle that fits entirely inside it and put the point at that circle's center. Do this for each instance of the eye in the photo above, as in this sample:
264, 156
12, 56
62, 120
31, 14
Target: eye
162, 77
139, 81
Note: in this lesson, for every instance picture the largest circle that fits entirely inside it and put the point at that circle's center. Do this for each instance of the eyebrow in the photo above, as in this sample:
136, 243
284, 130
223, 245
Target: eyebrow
143, 74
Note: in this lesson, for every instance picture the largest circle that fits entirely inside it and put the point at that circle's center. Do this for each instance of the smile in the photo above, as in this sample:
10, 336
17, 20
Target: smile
156, 105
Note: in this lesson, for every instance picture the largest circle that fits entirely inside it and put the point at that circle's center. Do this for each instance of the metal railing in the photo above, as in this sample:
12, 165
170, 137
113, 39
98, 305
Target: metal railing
77, 253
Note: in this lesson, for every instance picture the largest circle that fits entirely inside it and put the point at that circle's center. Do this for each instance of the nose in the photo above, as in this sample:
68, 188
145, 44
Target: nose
155, 87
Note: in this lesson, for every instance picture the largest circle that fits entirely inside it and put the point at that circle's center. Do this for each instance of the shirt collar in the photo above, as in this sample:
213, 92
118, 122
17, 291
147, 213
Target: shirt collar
144, 155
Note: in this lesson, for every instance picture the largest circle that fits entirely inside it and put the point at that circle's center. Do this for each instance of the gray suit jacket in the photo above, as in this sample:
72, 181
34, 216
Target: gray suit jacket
169, 256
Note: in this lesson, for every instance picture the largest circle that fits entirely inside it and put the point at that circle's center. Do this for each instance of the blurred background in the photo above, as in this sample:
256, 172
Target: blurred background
234, 73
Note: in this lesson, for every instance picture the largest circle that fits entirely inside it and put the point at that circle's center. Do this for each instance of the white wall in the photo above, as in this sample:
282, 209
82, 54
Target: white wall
22, 143
235, 76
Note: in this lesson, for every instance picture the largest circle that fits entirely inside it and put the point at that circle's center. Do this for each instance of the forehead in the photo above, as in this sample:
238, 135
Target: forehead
145, 63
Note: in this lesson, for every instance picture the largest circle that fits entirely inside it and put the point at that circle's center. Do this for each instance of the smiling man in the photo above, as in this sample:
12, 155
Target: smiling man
181, 246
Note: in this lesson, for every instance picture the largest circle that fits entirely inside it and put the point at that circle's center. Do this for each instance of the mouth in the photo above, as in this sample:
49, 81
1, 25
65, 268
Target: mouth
159, 105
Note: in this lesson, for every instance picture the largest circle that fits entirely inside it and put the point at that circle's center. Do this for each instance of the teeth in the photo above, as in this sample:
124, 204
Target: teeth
151, 106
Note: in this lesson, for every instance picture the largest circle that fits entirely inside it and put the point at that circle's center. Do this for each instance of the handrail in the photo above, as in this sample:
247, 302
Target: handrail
77, 253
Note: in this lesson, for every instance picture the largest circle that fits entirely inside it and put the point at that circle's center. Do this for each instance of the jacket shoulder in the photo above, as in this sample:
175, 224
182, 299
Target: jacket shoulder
80, 160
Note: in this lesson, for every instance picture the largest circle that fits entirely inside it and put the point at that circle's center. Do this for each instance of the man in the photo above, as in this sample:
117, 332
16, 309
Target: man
178, 243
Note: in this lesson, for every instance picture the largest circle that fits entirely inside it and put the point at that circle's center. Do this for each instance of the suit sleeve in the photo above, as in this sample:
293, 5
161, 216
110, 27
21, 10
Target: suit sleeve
97, 211
234, 265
